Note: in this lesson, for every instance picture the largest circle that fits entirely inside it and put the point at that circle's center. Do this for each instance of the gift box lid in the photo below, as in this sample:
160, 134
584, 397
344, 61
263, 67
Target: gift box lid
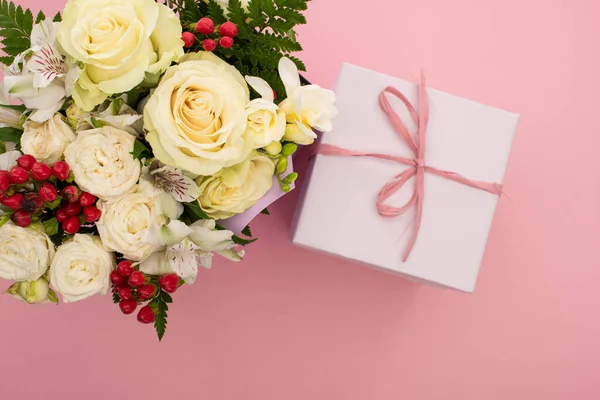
338, 214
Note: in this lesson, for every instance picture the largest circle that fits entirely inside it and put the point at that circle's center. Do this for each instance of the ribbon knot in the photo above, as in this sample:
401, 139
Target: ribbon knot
416, 166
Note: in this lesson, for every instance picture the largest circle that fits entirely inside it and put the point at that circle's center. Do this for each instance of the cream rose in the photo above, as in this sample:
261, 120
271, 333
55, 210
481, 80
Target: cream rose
25, 253
126, 221
196, 118
48, 140
102, 163
81, 268
234, 190
118, 42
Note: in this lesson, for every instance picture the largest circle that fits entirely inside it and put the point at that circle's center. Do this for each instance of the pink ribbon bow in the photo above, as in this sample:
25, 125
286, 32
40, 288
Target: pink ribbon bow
417, 165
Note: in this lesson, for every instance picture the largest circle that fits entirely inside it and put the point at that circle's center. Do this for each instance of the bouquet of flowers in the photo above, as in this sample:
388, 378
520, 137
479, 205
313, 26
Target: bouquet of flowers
131, 131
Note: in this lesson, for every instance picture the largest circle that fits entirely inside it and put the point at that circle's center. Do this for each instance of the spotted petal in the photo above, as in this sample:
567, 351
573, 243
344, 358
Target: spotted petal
184, 260
47, 64
173, 181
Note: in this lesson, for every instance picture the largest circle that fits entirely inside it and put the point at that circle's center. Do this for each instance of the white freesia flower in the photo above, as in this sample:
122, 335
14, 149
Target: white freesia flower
196, 117
306, 107
102, 162
192, 252
41, 77
170, 180
128, 220
81, 268
266, 122
47, 141
25, 253
118, 42
235, 189
9, 117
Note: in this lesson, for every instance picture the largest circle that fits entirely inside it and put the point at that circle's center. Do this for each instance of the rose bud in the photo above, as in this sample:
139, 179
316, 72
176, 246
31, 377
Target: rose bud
37, 292
226, 42
188, 39
18, 175
205, 26
40, 171
61, 170
228, 29
48, 192
21, 218
70, 194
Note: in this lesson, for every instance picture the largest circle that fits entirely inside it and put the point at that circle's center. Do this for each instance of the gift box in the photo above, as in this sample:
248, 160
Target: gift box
450, 177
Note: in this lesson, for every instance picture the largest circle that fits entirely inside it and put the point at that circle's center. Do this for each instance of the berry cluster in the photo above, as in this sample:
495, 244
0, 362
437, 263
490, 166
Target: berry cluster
28, 186
213, 36
133, 288
79, 208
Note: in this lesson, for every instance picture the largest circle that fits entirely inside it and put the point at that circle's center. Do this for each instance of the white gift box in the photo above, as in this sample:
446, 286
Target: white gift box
338, 214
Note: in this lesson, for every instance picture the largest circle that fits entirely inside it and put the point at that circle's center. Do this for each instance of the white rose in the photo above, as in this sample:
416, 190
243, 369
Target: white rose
102, 163
118, 41
266, 122
48, 140
127, 220
25, 253
306, 107
196, 117
235, 189
81, 268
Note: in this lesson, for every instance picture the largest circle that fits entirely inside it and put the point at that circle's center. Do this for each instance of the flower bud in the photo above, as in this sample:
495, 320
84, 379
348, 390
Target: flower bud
282, 165
274, 148
289, 149
291, 178
36, 292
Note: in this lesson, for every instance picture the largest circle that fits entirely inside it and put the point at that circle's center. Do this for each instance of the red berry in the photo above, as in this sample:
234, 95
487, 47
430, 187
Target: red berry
116, 278
188, 39
32, 203
61, 215
18, 175
209, 45
169, 283
48, 192
4, 181
87, 199
14, 202
136, 279
71, 225
228, 29
128, 306
145, 292
146, 315
205, 26
61, 170
21, 218
125, 268
26, 161
125, 293
91, 214
70, 194
226, 42
73, 209
41, 171
274, 94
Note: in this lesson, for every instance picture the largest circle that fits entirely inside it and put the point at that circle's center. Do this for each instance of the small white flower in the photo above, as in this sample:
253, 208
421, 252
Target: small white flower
306, 107
47, 141
170, 180
266, 122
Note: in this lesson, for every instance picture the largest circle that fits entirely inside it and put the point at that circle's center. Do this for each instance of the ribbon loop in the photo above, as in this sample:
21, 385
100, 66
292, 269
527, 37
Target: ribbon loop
417, 165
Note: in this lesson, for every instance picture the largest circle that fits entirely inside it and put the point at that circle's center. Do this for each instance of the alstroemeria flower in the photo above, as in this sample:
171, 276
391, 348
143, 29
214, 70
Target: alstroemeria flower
172, 180
115, 113
196, 250
44, 79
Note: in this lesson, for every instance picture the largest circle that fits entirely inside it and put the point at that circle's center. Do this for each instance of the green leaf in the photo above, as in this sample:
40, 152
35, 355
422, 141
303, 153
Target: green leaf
2, 148
53, 205
160, 307
10, 135
140, 150
4, 219
21, 108
265, 211
57, 17
116, 298
247, 231
242, 242
40, 17
51, 227
196, 210
52, 296
15, 29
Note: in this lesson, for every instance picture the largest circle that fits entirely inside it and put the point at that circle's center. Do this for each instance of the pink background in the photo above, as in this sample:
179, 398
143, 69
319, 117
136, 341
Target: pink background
291, 324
